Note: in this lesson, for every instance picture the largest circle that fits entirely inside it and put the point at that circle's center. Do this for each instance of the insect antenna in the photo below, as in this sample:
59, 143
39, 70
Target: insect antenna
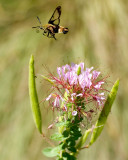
39, 20
36, 27
39, 27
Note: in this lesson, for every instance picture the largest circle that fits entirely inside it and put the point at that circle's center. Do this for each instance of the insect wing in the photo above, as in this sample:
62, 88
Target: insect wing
55, 19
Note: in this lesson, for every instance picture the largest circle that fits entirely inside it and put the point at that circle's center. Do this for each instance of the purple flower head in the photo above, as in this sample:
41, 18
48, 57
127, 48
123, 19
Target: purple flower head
69, 73
82, 86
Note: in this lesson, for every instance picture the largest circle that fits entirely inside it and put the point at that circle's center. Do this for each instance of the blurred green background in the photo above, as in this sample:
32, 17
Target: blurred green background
98, 35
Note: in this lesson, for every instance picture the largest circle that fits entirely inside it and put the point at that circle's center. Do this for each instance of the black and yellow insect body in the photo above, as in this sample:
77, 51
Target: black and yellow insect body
52, 27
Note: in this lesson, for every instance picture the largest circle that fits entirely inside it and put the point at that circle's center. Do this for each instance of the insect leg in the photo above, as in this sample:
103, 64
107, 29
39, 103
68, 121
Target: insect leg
48, 34
51, 35
54, 37
44, 34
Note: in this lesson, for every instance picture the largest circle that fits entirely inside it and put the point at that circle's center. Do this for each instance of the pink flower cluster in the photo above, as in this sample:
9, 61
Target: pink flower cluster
76, 82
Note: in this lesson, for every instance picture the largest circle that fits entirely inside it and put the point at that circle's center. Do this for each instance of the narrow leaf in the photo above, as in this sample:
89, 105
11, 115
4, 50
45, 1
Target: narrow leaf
104, 113
33, 96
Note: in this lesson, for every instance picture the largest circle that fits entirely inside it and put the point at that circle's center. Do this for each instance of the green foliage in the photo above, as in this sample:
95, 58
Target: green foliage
65, 123
101, 120
71, 134
68, 156
57, 137
33, 96
104, 113
52, 152
83, 139
68, 138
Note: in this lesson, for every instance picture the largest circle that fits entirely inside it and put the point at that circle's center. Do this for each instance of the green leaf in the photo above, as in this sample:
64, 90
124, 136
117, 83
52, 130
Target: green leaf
68, 156
51, 152
72, 149
66, 133
57, 137
61, 124
104, 113
33, 96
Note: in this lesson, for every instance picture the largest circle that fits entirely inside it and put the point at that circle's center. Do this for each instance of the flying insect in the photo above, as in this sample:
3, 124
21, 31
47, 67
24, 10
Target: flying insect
53, 26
